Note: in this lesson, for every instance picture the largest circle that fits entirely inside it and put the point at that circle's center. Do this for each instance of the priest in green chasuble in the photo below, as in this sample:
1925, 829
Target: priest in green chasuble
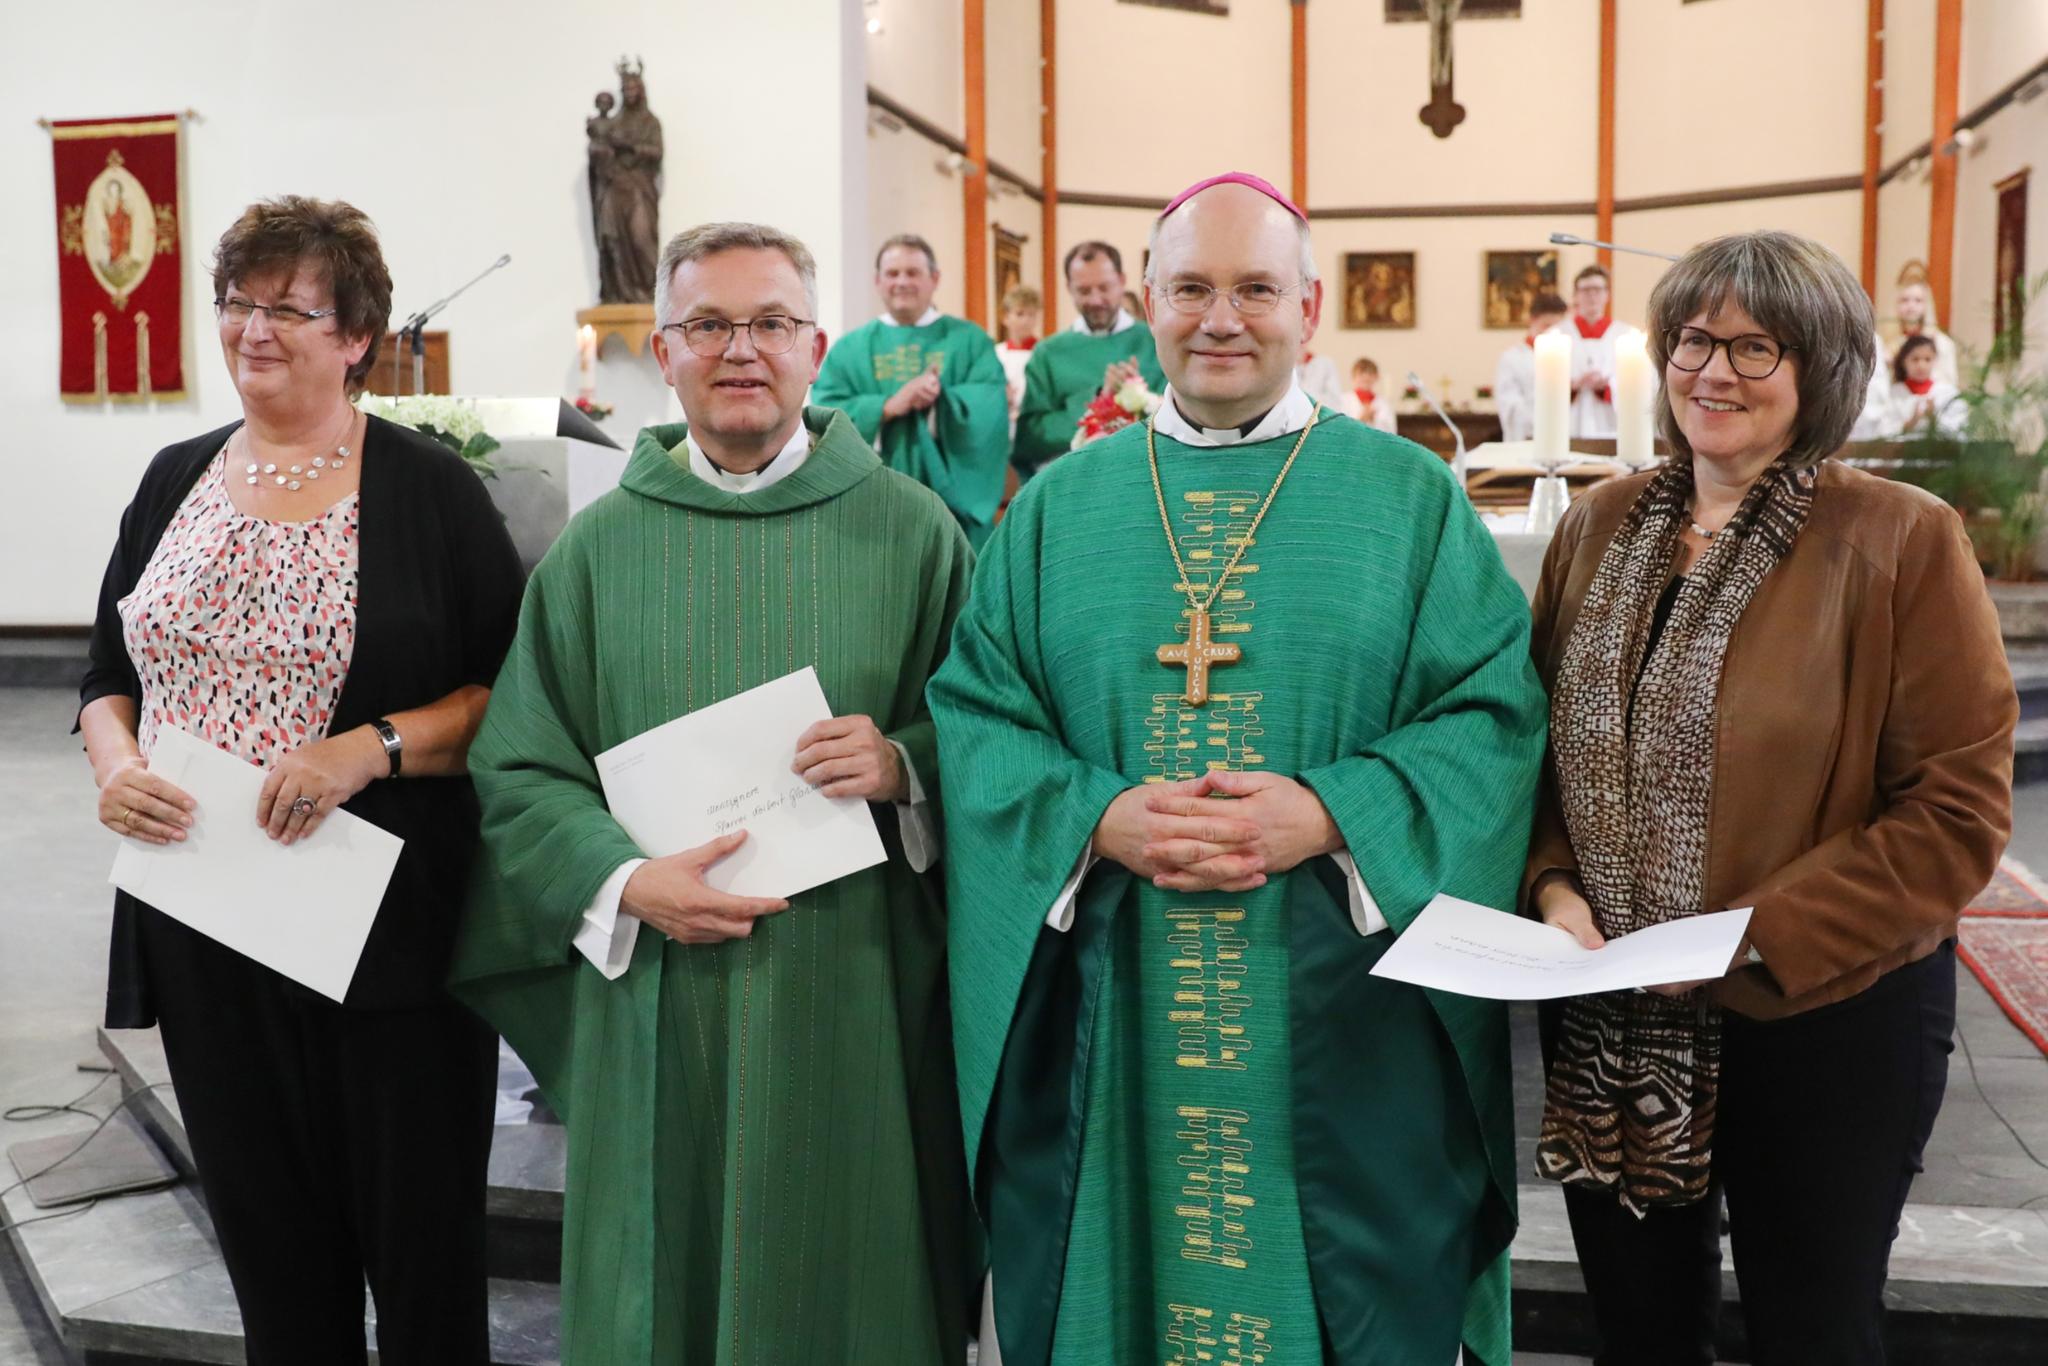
764, 1156
927, 390
1236, 692
1105, 347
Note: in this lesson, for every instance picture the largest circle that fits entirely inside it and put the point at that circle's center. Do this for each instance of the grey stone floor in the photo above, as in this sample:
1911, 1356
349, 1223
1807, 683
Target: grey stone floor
53, 910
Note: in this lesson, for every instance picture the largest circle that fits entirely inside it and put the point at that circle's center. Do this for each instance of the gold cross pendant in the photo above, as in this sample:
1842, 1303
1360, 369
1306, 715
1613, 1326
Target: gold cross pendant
1196, 654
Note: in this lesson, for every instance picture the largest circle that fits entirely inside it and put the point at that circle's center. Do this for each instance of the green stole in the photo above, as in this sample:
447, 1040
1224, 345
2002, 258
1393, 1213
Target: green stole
1199, 1129
749, 1123
1063, 375
958, 447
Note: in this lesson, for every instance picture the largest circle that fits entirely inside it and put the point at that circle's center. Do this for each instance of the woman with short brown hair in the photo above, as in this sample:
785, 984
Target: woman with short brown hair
1776, 682
329, 597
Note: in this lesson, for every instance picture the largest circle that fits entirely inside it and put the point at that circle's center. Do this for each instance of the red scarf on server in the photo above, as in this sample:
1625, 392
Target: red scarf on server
1594, 332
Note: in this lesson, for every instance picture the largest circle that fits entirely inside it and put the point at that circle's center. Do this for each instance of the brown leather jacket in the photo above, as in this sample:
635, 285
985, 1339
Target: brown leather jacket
1863, 755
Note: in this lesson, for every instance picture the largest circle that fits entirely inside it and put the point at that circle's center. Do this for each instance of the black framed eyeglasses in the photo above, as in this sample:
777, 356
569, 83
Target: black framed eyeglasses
772, 333
1251, 298
231, 308
1752, 355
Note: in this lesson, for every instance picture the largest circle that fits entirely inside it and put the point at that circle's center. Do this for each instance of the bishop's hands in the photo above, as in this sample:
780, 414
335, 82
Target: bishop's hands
914, 397
848, 756
1222, 832
670, 894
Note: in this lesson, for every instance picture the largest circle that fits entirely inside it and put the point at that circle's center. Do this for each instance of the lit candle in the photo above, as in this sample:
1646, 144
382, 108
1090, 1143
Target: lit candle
1553, 397
586, 360
1635, 390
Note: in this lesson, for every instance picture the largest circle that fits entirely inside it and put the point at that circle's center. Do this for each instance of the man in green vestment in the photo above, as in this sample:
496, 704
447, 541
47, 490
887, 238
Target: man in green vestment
764, 1160
927, 390
1195, 786
1105, 347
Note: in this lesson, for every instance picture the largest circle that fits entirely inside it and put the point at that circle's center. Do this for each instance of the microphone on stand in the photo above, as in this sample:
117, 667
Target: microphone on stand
416, 325
1457, 434
1567, 239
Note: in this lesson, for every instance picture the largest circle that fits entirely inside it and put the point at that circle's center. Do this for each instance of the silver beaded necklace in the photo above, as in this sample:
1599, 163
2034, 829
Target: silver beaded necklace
292, 476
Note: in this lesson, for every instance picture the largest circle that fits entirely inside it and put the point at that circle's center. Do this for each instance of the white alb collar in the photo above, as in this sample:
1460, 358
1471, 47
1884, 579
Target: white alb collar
787, 461
1289, 416
931, 315
1123, 322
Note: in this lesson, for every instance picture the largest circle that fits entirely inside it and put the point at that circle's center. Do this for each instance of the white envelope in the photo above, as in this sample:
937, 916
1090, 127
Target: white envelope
726, 767
1477, 951
303, 909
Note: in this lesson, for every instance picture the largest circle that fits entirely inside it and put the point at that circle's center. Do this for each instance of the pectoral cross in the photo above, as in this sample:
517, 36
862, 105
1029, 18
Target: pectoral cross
1442, 113
1196, 654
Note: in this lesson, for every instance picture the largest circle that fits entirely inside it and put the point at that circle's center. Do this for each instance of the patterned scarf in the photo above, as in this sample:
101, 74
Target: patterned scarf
1632, 1091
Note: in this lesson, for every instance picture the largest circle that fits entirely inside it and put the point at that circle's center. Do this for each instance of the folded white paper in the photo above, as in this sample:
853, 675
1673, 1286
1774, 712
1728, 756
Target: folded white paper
726, 767
1477, 951
303, 909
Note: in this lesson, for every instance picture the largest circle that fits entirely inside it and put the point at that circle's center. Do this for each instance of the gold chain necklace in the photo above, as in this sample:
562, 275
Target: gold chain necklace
1198, 653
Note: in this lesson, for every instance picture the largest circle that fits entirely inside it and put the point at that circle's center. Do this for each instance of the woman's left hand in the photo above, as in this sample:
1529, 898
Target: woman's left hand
310, 782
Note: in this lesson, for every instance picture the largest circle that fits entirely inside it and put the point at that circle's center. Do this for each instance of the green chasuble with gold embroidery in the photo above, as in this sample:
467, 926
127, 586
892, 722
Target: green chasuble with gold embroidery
1063, 375
1199, 1130
764, 1159
960, 446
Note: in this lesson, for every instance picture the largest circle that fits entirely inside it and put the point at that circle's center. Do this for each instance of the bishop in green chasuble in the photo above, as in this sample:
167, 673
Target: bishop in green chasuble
1198, 1129
764, 1160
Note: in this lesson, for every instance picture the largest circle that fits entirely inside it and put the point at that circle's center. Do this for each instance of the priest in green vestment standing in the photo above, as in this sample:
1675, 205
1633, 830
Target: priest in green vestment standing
927, 390
764, 1157
1236, 693
1105, 347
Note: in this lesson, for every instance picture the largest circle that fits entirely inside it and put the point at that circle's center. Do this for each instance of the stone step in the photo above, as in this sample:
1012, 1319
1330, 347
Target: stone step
140, 1277
42, 661
2029, 677
2030, 750
1966, 1283
523, 1202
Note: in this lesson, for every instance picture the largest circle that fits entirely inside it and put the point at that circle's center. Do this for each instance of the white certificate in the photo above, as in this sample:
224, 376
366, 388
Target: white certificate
726, 767
302, 909
1477, 951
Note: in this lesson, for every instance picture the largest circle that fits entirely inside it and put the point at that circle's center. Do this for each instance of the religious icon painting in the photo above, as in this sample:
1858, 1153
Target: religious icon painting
120, 270
2009, 261
1379, 289
1513, 280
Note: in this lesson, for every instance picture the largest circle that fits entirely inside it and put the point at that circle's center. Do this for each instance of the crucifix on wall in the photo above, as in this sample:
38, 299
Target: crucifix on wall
1443, 113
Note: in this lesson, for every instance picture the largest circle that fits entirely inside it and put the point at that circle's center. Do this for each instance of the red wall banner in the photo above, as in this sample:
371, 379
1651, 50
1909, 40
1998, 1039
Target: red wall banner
120, 267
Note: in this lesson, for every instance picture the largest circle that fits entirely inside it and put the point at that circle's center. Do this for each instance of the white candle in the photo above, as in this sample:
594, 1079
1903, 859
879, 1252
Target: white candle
1553, 397
586, 360
1635, 391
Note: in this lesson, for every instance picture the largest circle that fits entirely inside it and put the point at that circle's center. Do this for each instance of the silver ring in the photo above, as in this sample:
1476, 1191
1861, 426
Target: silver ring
304, 806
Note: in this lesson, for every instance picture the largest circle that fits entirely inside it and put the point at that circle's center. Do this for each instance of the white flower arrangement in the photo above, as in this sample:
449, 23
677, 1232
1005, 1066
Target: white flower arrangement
451, 421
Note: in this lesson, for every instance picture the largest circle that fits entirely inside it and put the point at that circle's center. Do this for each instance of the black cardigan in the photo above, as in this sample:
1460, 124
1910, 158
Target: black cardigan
437, 600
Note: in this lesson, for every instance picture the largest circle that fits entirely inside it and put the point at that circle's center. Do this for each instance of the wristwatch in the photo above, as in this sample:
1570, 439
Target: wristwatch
394, 746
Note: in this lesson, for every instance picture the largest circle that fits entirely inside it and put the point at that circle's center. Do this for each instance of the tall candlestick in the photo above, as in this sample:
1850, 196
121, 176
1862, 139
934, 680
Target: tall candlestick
1635, 390
586, 361
1553, 398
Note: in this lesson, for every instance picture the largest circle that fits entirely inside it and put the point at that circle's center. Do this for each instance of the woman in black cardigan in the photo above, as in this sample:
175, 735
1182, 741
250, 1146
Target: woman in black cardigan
328, 596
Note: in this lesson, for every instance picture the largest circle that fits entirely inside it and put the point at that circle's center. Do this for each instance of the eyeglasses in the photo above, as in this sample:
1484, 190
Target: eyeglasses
1753, 355
771, 333
235, 310
1251, 299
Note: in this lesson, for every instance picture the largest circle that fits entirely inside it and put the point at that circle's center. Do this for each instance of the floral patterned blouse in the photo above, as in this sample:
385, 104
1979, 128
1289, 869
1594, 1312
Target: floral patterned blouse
241, 629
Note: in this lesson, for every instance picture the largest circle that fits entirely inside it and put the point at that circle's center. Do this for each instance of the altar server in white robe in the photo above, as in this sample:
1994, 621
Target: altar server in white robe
1593, 335
1514, 377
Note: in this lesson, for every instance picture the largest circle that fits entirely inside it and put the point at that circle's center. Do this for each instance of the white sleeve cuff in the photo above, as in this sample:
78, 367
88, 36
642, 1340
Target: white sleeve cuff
1061, 916
1365, 912
606, 937
914, 821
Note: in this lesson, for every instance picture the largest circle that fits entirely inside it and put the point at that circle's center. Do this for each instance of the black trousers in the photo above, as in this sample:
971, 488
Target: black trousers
1823, 1120
333, 1146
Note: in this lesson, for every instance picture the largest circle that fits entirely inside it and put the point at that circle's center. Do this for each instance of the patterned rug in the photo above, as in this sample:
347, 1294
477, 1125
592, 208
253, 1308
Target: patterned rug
2005, 942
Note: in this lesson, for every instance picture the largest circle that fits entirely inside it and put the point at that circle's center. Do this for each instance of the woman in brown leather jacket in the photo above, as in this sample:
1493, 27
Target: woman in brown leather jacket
1776, 682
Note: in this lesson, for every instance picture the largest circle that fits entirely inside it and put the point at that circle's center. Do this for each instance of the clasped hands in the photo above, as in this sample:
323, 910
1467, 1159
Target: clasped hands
305, 787
914, 397
1221, 832
845, 756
